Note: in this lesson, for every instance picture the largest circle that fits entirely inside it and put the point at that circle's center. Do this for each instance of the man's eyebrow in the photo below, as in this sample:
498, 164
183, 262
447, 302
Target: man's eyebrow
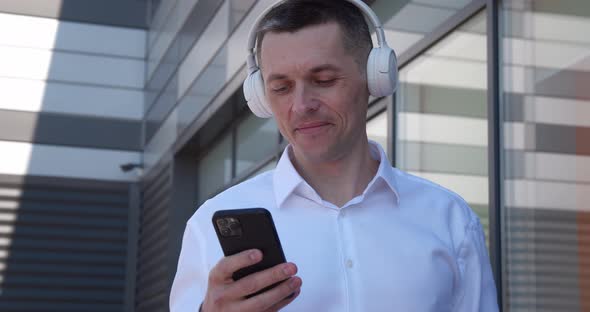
325, 67
314, 70
272, 77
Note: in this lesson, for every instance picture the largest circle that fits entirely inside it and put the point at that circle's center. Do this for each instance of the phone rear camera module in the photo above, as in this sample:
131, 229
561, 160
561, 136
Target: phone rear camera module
225, 232
234, 226
229, 227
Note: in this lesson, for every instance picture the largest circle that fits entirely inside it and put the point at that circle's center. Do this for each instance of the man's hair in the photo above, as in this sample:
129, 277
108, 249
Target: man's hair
294, 15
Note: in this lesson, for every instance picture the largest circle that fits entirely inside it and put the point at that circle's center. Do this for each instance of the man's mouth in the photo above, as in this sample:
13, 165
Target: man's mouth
312, 127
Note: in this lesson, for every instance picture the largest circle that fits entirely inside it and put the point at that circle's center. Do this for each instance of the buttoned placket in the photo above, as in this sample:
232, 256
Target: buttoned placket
345, 239
346, 247
344, 255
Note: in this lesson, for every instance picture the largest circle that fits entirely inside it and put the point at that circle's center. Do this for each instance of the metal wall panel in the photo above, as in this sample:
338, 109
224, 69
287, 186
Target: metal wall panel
70, 130
126, 13
70, 99
22, 158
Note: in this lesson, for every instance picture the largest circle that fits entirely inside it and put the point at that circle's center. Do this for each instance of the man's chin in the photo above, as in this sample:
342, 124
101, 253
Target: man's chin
315, 153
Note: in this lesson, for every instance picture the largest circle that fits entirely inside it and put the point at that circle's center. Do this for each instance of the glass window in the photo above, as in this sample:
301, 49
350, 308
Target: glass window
442, 115
215, 169
377, 129
406, 22
269, 166
239, 8
545, 74
257, 139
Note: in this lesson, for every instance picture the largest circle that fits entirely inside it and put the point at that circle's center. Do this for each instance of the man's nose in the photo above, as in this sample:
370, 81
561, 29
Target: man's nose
304, 101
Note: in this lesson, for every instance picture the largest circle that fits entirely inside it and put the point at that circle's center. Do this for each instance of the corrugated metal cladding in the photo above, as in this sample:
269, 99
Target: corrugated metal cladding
153, 267
62, 244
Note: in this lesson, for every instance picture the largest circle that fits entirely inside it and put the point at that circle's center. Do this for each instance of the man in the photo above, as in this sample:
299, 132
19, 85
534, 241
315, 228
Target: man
360, 235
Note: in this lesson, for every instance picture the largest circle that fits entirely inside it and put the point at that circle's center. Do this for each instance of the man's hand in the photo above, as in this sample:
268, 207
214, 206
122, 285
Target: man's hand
225, 294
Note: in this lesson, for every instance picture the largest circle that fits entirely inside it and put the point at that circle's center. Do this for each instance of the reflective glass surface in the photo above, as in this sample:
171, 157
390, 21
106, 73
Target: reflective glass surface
269, 166
545, 73
215, 169
257, 139
377, 130
442, 115
406, 22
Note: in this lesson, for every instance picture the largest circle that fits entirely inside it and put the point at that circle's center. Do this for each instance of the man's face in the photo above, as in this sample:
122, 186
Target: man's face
316, 90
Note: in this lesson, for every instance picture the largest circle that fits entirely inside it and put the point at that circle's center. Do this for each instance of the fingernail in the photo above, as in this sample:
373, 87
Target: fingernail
254, 255
293, 283
287, 270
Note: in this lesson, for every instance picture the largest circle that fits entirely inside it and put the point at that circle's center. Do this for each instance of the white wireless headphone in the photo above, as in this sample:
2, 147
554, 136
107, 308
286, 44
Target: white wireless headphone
381, 66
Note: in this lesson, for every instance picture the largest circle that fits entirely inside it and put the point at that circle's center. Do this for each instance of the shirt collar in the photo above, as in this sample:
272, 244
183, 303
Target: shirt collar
286, 179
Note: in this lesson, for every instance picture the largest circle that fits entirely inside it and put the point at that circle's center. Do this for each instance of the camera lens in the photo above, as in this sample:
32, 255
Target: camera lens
225, 231
222, 222
234, 225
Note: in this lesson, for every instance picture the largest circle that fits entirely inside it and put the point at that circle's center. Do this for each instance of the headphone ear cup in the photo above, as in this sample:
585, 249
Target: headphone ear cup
382, 71
254, 94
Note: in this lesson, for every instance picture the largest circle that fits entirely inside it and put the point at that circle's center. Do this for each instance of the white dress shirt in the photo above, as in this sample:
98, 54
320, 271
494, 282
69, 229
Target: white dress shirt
405, 244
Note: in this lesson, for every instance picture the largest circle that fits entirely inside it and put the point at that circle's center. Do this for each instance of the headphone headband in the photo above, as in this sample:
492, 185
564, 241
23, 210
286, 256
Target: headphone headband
367, 12
381, 65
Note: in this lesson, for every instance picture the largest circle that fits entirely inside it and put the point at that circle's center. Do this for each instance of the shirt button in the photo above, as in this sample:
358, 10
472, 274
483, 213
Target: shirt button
349, 263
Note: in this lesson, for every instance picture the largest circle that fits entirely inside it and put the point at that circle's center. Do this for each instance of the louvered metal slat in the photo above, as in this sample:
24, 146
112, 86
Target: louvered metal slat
158, 180
48, 193
155, 288
152, 276
77, 269
152, 248
73, 258
67, 282
152, 265
155, 303
153, 214
156, 196
61, 208
152, 233
49, 219
88, 234
19, 305
74, 295
62, 244
543, 259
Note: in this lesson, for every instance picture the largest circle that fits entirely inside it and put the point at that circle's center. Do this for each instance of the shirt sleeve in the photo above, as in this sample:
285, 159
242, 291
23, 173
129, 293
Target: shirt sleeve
190, 283
478, 290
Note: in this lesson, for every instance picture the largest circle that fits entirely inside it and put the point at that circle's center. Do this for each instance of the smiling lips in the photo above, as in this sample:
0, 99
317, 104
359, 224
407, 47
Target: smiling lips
312, 127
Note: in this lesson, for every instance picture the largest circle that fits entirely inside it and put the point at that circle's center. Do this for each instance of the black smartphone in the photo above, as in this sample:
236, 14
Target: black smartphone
252, 228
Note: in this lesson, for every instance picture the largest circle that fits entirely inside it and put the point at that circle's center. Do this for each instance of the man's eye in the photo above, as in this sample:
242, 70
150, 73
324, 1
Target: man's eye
325, 82
280, 89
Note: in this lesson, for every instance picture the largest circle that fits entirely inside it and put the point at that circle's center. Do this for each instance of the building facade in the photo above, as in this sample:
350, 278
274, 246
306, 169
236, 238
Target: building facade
71, 110
493, 103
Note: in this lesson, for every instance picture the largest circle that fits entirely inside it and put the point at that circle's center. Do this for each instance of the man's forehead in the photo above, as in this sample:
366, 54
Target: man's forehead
330, 26
315, 41
320, 33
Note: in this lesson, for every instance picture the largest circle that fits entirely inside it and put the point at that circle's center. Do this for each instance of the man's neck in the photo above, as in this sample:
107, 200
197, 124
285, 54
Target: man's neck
340, 180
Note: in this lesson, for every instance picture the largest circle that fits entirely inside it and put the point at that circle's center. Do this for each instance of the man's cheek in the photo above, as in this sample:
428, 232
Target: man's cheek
283, 130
